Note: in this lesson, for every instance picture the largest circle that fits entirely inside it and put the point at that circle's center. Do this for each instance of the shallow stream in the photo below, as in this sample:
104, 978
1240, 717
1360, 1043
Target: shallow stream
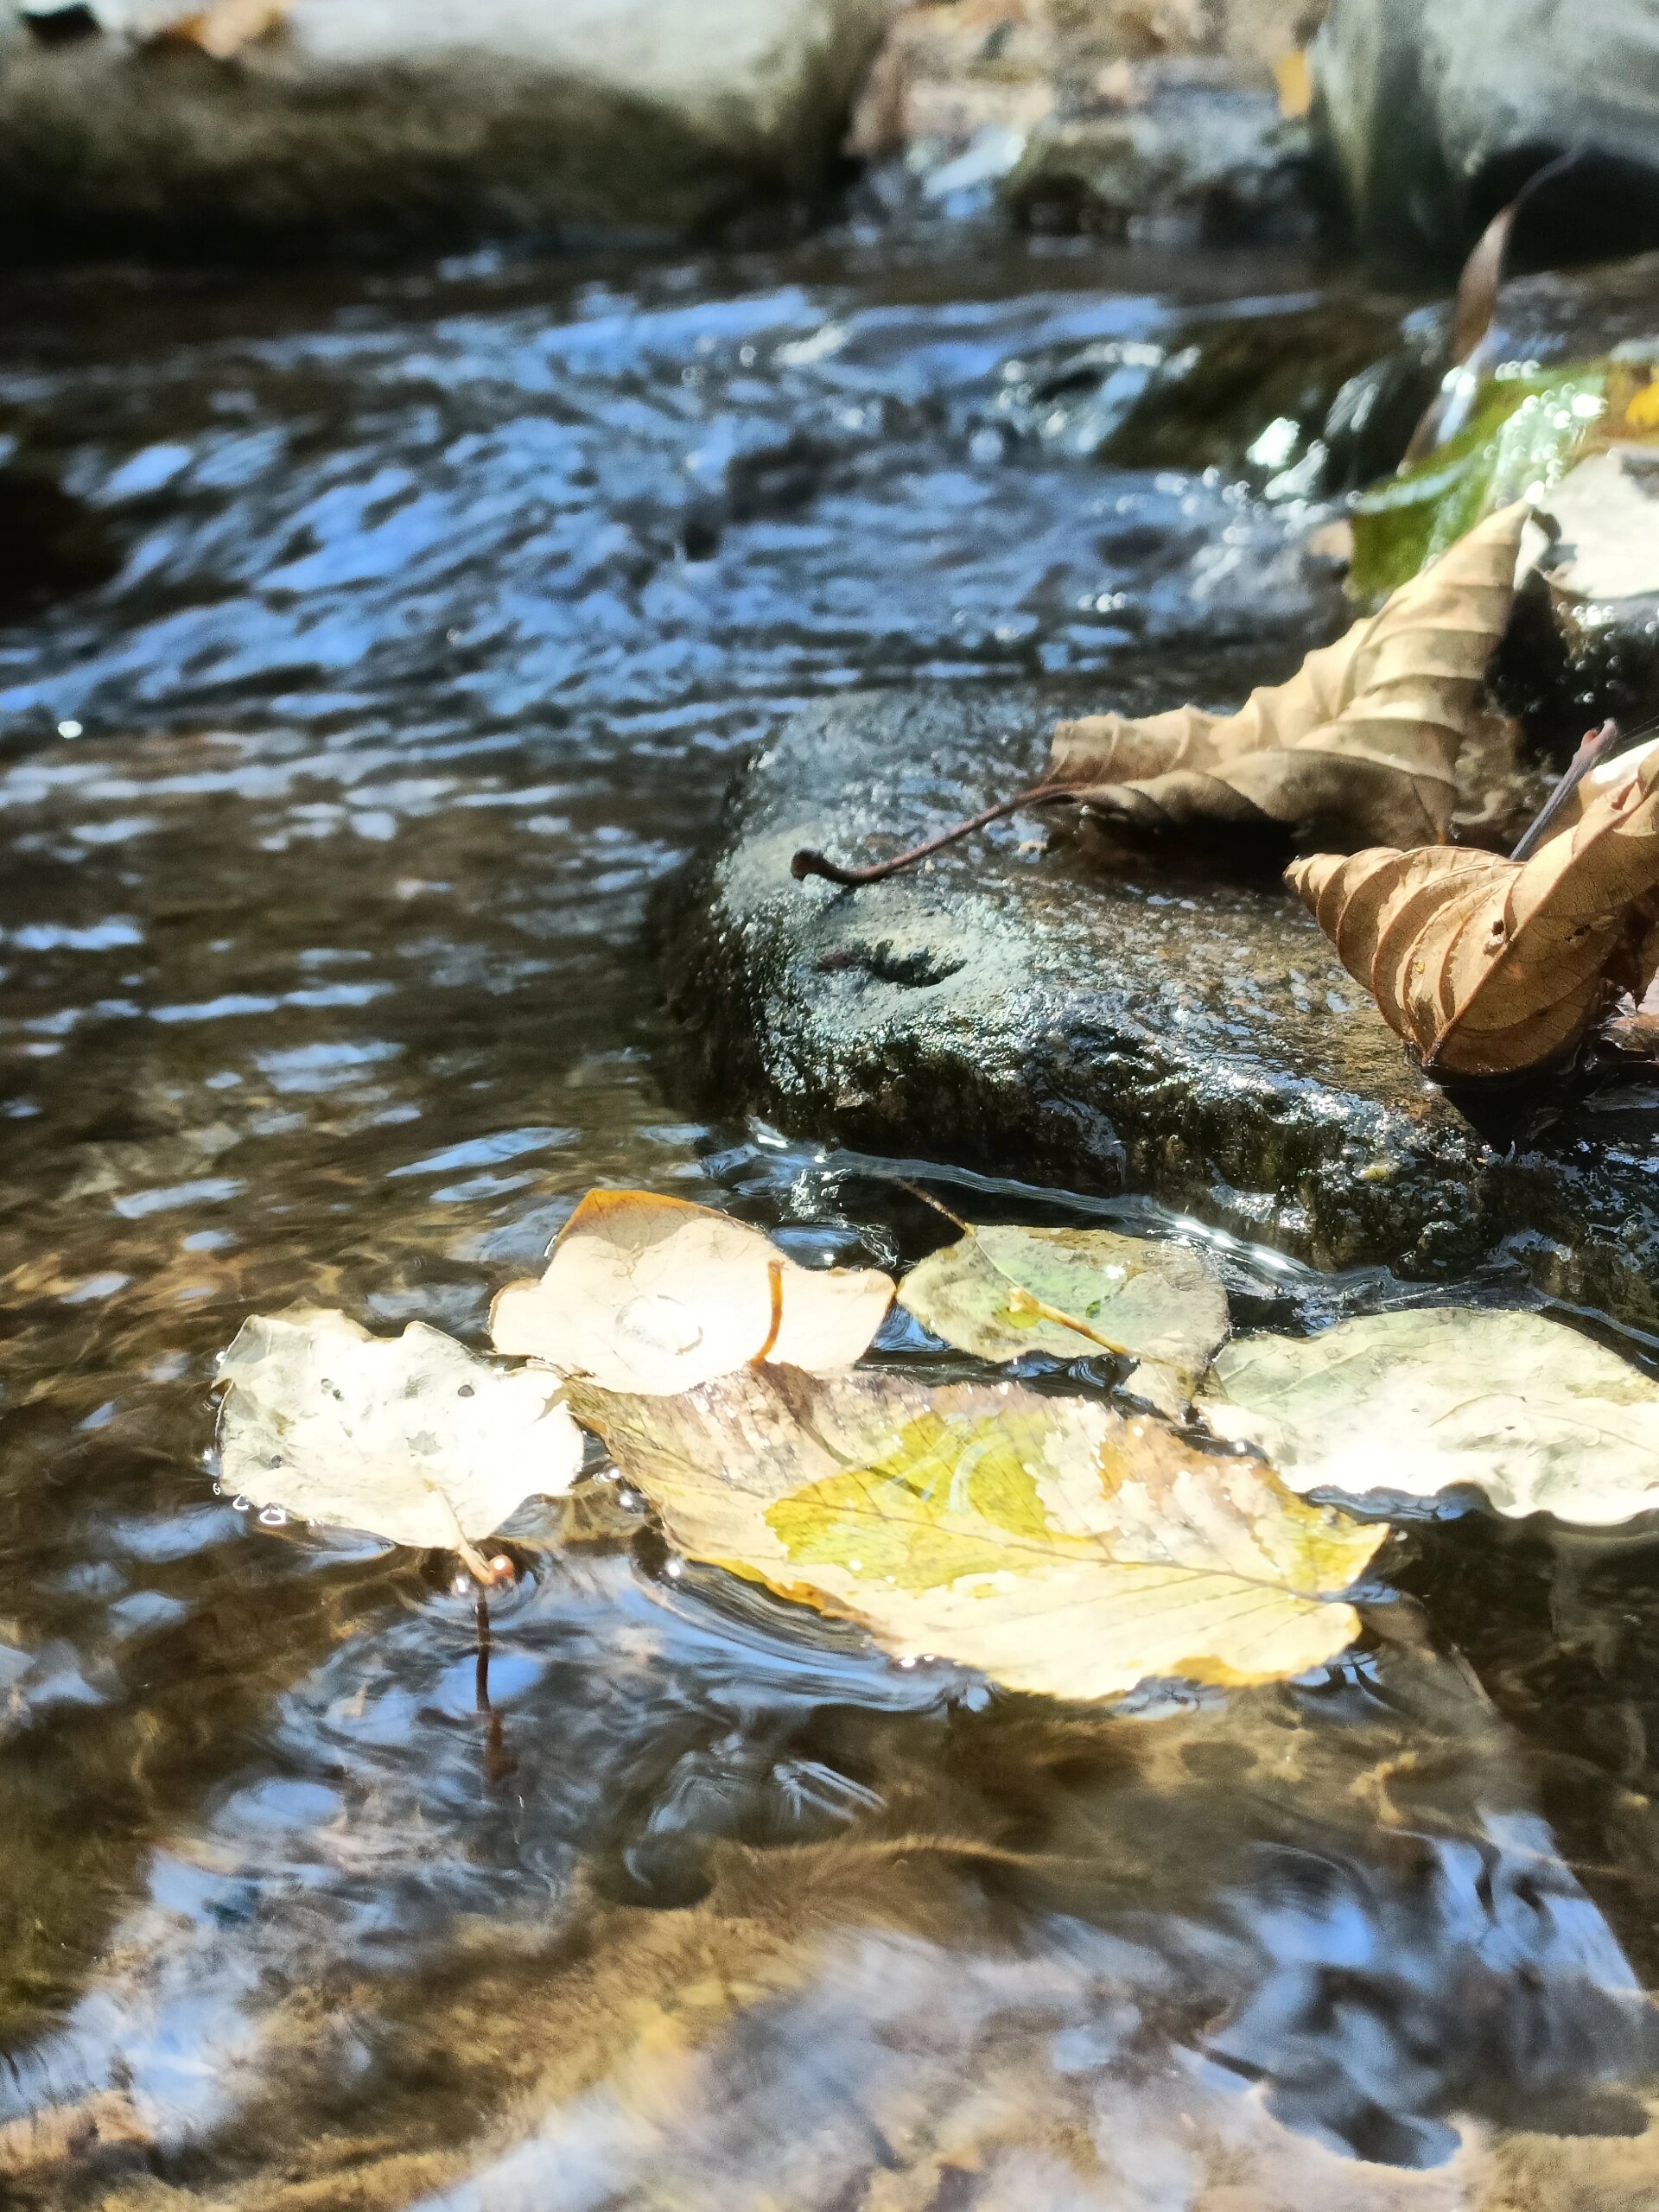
446, 604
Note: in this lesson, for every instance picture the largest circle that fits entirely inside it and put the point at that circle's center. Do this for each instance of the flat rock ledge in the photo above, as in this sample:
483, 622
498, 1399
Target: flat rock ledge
1014, 1007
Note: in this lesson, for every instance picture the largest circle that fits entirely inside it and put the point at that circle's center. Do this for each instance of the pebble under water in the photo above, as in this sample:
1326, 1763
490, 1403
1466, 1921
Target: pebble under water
445, 604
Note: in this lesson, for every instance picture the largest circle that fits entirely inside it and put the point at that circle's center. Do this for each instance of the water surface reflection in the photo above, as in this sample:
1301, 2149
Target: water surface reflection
329, 828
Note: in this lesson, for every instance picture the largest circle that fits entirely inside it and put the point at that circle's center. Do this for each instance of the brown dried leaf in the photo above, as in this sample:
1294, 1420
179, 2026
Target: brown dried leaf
1360, 746
225, 27
1494, 967
651, 1293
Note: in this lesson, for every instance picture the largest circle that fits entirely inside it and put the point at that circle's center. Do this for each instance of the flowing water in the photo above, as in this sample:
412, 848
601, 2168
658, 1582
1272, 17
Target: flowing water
445, 606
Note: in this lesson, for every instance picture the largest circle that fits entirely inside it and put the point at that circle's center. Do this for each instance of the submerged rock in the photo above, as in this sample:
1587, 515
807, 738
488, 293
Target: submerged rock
1151, 1025
362, 123
1109, 115
1435, 113
52, 544
1187, 151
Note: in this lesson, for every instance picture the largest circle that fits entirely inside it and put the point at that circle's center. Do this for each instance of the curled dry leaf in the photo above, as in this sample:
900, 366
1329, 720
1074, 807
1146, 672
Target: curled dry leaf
652, 1295
1539, 1417
1361, 745
1004, 1291
1492, 967
412, 1438
1049, 1541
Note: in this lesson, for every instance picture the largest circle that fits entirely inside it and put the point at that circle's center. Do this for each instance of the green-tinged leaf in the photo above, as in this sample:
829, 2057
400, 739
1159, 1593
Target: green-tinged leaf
1541, 1418
1525, 432
650, 1294
1160, 1304
1049, 1541
412, 1438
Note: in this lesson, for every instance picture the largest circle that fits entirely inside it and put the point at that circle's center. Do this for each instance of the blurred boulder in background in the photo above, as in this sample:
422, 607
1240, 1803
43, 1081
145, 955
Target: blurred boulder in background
1435, 113
1162, 118
324, 125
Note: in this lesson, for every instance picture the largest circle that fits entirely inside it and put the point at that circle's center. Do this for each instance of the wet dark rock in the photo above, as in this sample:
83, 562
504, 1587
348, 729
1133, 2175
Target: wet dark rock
1578, 313
51, 543
367, 127
1297, 404
1435, 111
1151, 1025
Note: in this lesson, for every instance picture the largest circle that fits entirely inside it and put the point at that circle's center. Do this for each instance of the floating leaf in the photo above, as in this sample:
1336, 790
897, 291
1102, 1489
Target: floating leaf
652, 1295
1495, 967
1537, 1415
1525, 432
1002, 1293
412, 1438
1360, 746
1049, 1541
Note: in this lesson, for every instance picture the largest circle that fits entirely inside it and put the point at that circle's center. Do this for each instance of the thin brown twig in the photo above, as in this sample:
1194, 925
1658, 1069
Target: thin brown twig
1595, 747
808, 861
937, 1205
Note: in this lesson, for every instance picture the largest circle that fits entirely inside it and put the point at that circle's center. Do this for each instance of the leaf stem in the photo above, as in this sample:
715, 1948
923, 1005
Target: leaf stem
481, 1675
1021, 1300
1595, 747
474, 1561
808, 861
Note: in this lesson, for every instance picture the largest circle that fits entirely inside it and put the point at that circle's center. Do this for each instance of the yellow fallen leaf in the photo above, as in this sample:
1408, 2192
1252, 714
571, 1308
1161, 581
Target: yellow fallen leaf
1360, 746
653, 1294
1536, 1414
1051, 1543
412, 1438
1295, 77
1493, 967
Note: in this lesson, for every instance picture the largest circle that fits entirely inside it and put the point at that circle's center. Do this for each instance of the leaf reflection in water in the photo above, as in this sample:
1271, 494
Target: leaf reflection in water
904, 1951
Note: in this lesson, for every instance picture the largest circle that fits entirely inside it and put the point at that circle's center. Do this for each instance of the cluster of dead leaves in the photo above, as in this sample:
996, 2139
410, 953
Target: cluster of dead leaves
1056, 1542
1060, 1544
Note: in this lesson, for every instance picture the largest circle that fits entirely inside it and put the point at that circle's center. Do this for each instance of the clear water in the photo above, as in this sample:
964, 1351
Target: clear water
445, 606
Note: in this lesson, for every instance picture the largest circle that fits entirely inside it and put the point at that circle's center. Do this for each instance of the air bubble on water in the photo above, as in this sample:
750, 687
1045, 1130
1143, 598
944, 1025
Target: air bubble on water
273, 1517
242, 1504
466, 1391
674, 1568
630, 1500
